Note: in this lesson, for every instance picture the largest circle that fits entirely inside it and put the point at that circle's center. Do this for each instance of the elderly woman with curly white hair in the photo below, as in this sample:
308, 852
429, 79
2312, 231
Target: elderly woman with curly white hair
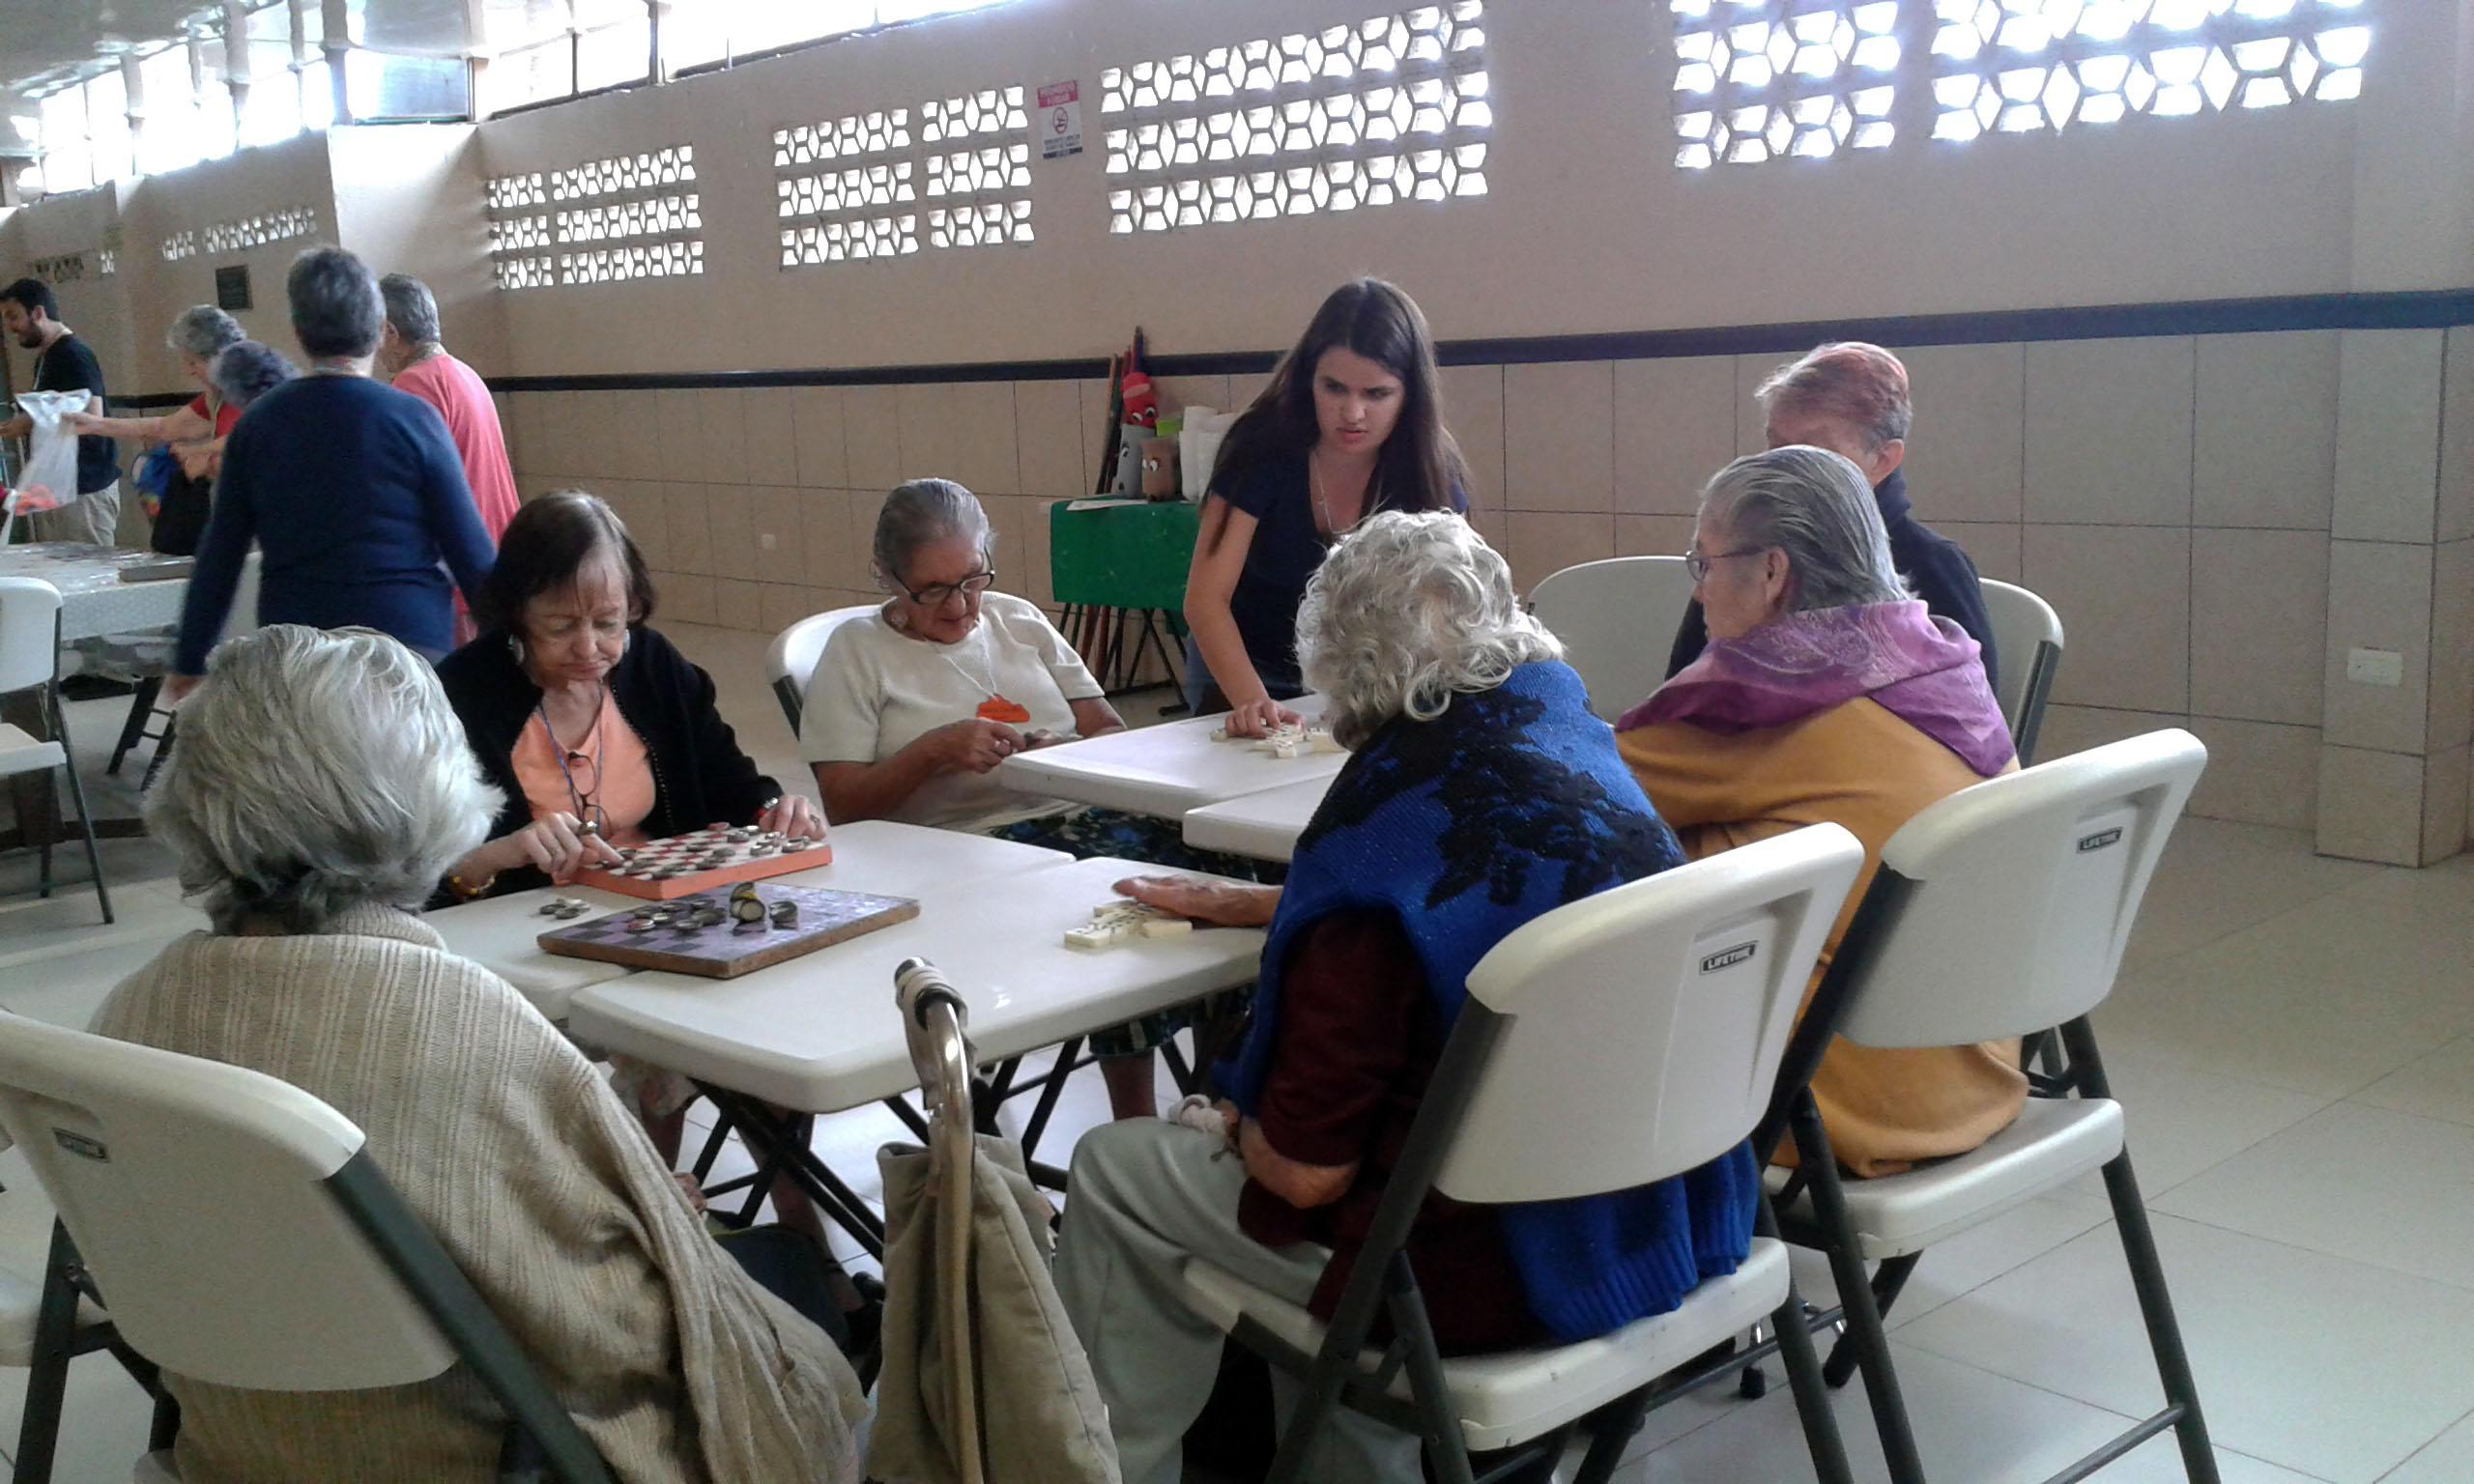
1481, 794
321, 789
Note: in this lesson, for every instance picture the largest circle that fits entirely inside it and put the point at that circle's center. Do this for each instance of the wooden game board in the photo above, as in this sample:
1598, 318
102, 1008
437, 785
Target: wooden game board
681, 852
728, 949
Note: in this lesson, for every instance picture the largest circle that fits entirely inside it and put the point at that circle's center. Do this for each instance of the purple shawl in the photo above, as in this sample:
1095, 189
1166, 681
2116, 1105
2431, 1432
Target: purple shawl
1921, 670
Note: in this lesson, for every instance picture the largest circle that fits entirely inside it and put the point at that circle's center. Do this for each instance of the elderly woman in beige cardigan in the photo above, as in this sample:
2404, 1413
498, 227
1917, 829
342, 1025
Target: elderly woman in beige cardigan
321, 789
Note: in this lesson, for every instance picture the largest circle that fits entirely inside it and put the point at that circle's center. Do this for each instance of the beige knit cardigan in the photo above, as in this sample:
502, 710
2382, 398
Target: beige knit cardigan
506, 1140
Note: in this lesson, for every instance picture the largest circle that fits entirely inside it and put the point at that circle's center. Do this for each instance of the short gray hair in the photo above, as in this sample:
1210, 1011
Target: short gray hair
317, 771
924, 512
336, 306
1814, 505
409, 307
1410, 610
201, 330
246, 370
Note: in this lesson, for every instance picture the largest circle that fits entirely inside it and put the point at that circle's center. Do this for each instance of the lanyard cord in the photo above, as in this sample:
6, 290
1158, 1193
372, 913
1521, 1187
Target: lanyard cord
558, 751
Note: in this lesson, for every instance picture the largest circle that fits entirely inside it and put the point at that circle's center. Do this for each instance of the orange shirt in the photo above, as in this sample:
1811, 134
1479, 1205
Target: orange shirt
624, 789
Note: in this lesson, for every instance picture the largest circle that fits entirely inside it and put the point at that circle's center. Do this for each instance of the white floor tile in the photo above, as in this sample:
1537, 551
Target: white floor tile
2448, 1460
2183, 1119
2331, 1367
2218, 877
105, 1422
2440, 1085
2353, 1182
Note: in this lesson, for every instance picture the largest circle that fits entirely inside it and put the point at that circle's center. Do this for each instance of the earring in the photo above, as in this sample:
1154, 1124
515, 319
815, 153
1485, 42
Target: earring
626, 637
515, 649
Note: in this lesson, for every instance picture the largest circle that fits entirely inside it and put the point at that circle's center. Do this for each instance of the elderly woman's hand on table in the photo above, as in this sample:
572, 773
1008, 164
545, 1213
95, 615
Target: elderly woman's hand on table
1220, 904
1260, 718
793, 814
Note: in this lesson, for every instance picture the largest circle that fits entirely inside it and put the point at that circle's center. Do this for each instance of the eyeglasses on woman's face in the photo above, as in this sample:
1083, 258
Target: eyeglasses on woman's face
1698, 562
939, 594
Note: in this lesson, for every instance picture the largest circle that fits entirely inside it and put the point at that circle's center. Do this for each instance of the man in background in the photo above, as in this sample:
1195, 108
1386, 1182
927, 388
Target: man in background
31, 315
414, 360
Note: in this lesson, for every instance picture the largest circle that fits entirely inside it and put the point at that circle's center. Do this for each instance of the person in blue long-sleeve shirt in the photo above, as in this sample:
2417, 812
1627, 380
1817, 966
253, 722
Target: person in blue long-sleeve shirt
353, 491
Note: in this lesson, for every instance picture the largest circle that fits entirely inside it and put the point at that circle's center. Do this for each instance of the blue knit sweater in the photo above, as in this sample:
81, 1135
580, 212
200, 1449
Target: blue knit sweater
1511, 803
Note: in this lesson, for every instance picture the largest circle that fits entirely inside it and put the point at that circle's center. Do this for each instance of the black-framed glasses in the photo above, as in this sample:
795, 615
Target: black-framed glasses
1697, 564
938, 594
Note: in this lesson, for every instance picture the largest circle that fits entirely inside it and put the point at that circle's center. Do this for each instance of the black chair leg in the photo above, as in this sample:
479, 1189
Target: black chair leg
78, 795
1887, 1282
1803, 1373
141, 707
48, 1379
1855, 1295
1446, 1452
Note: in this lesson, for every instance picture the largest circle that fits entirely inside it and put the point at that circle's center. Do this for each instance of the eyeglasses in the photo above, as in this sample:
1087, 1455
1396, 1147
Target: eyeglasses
939, 594
1697, 564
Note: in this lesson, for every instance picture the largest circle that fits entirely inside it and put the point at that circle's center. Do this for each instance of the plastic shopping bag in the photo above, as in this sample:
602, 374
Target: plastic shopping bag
50, 477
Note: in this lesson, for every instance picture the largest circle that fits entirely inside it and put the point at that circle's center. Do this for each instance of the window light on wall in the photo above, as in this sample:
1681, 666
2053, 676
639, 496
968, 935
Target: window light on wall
1762, 80
631, 203
1392, 110
849, 188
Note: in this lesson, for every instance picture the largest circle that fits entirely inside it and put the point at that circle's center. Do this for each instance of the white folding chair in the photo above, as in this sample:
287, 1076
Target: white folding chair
30, 661
2026, 638
1617, 619
233, 1219
1998, 911
794, 651
1621, 1039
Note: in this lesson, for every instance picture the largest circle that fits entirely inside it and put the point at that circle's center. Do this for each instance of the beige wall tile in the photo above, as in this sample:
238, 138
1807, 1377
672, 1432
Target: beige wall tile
723, 414
730, 515
2069, 730
648, 518
1007, 517
1993, 547
982, 439
1752, 429
2388, 396
1095, 431
1965, 453
872, 434
637, 425
773, 511
816, 433
1541, 543
1675, 426
1652, 536
1036, 584
691, 532
532, 434
2456, 439
2379, 597
686, 597
2266, 435
1473, 408
738, 604
2444, 804
779, 605
2371, 805
833, 553
2124, 594
594, 430
926, 420
2452, 682
1176, 394
2109, 432
1559, 436
772, 442
1244, 387
1494, 523
679, 415
1047, 434
2258, 624
2258, 773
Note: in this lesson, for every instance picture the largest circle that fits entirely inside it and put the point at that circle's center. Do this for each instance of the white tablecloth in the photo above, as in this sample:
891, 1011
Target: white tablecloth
1163, 770
1264, 825
93, 599
821, 1034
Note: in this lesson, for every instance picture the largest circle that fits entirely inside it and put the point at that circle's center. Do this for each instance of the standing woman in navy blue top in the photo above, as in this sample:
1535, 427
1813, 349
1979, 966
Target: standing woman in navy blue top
353, 490
1350, 424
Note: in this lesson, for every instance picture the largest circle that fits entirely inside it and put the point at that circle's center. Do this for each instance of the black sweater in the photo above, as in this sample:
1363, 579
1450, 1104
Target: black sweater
699, 775
1937, 568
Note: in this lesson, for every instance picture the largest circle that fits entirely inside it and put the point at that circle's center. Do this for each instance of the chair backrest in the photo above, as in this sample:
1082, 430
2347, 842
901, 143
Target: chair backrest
794, 651
29, 633
1644, 1025
199, 1193
2027, 640
2007, 904
1617, 619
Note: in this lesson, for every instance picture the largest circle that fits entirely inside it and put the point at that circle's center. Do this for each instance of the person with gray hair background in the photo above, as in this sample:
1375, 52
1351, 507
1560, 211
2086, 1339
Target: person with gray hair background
196, 431
1828, 694
354, 490
321, 787
415, 361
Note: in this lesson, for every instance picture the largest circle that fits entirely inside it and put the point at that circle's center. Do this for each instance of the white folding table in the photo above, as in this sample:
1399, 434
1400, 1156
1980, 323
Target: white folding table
1264, 825
1165, 770
503, 933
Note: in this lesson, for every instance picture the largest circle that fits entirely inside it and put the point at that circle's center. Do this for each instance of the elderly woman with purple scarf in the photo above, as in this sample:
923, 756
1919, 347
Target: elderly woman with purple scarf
1828, 693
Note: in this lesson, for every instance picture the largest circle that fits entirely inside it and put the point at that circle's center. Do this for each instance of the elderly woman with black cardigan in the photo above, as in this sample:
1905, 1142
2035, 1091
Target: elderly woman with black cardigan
599, 731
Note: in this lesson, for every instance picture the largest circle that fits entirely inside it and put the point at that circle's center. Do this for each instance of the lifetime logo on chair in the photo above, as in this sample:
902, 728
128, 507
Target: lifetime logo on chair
1729, 958
82, 1146
2100, 840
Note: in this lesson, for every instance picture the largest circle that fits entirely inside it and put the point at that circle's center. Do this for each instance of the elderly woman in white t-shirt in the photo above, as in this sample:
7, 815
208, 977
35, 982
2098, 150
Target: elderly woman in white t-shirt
911, 709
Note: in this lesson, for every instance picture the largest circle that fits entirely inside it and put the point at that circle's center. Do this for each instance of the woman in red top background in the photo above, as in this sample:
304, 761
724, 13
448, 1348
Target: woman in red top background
196, 430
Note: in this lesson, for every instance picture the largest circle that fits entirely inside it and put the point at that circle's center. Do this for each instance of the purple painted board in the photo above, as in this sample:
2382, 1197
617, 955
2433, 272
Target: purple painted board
728, 949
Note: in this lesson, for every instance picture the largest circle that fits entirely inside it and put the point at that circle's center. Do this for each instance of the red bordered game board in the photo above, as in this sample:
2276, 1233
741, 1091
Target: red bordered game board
717, 855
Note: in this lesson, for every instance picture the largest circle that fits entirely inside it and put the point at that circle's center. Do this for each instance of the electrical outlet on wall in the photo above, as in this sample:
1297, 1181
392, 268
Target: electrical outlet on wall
2374, 667
765, 541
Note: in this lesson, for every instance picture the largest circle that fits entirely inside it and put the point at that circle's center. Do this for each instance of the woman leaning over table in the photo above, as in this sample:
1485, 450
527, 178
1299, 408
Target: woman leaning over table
1351, 423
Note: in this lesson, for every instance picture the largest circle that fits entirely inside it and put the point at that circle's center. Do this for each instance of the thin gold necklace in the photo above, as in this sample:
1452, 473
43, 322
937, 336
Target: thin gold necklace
1323, 511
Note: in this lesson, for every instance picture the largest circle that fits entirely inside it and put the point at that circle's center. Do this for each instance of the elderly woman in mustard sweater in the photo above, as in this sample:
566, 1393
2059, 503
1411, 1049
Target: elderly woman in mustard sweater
1827, 693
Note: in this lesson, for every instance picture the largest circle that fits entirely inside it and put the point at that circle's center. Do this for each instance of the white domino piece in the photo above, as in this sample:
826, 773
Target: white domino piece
1121, 921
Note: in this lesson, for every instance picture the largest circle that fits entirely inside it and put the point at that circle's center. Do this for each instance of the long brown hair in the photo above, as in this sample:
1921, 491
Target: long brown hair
1418, 467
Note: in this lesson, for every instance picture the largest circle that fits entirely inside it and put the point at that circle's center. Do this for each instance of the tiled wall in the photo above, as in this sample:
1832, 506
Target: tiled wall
2171, 497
